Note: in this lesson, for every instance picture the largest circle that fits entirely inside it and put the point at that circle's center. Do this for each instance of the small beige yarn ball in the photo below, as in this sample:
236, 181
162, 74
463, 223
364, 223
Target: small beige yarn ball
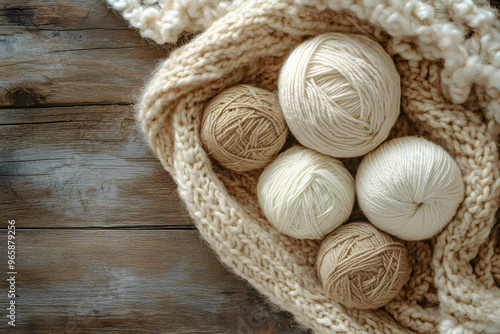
409, 187
243, 128
306, 194
340, 94
362, 267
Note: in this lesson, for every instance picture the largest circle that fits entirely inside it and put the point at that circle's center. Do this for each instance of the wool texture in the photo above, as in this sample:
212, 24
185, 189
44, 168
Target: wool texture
409, 187
306, 194
446, 53
340, 94
362, 267
243, 128
164, 21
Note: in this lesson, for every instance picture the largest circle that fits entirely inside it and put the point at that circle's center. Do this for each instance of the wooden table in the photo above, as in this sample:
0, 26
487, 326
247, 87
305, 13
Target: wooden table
102, 243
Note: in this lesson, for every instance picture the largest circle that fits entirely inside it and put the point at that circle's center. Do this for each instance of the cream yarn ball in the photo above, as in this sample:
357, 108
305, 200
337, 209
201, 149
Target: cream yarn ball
340, 94
362, 267
306, 194
409, 187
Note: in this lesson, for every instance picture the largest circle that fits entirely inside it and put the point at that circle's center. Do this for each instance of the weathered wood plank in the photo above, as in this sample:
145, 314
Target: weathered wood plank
70, 53
58, 14
82, 166
120, 280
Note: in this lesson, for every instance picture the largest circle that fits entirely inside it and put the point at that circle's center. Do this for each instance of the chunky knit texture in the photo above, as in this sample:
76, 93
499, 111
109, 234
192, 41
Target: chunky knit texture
447, 53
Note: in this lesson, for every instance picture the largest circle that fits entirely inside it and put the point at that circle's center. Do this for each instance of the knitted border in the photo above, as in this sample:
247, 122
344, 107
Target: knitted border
465, 34
228, 217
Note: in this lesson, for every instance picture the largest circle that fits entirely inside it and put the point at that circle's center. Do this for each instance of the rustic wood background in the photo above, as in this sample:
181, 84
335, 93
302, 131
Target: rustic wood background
103, 243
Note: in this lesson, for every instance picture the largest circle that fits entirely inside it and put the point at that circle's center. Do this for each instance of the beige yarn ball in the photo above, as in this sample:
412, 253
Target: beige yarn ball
409, 187
243, 128
362, 267
306, 194
340, 94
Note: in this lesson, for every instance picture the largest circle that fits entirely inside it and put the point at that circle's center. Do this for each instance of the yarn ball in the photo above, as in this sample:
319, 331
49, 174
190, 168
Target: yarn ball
306, 194
340, 94
362, 267
409, 187
243, 128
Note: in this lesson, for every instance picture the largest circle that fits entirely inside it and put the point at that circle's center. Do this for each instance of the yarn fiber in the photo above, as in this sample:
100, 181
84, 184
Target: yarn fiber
243, 127
409, 187
362, 267
445, 52
305, 194
340, 94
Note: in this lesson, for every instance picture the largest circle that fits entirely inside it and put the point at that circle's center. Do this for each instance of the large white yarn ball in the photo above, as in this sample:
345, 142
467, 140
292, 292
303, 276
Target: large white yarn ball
340, 94
306, 194
409, 187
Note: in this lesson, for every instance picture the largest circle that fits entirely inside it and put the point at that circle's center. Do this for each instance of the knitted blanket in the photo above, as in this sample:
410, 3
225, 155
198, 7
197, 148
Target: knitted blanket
448, 55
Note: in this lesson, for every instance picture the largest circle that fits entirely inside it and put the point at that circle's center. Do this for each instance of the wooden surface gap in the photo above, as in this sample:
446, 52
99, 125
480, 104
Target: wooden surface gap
118, 227
40, 105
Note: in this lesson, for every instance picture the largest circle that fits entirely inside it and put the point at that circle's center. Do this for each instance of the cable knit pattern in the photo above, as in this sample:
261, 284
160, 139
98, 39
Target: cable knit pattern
447, 54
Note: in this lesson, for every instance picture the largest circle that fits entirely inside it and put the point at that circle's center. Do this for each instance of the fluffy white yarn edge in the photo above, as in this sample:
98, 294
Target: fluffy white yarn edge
163, 21
467, 61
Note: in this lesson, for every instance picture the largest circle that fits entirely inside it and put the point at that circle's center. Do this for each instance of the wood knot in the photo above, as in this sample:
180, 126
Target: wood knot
19, 15
23, 97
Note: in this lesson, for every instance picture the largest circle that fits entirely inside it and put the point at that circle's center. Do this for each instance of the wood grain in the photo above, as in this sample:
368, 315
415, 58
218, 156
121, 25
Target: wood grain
80, 167
103, 242
58, 14
164, 281
70, 53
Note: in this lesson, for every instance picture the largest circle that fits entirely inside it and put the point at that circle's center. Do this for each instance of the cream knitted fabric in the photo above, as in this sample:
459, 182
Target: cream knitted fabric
463, 33
447, 52
164, 20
